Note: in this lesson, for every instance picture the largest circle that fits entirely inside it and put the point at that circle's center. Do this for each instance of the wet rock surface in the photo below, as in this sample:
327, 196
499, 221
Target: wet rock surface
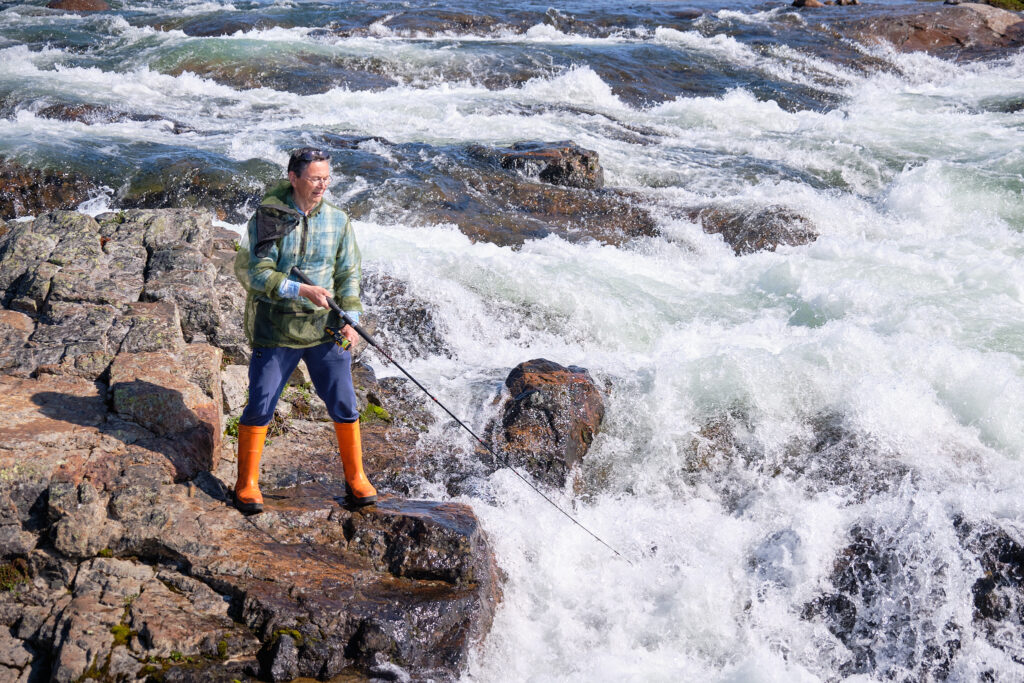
999, 591
559, 163
874, 579
756, 228
549, 420
27, 191
121, 557
963, 30
500, 195
229, 189
411, 323
88, 113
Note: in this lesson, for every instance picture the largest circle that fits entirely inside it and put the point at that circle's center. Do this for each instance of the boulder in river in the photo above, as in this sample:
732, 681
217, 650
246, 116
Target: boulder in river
79, 5
549, 419
748, 230
560, 163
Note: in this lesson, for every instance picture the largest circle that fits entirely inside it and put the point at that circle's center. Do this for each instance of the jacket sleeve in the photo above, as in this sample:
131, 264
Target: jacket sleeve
264, 278
348, 270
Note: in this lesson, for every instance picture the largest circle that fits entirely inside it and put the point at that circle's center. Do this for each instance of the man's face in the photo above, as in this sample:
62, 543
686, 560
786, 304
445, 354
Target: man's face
310, 186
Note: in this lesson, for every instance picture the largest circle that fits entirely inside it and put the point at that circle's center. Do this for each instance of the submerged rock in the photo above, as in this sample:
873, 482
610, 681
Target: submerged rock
965, 29
83, 112
225, 187
999, 590
549, 420
883, 609
405, 321
434, 21
497, 195
27, 191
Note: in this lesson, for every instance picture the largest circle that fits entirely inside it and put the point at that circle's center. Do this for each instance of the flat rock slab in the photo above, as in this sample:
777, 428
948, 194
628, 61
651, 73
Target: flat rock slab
164, 576
121, 557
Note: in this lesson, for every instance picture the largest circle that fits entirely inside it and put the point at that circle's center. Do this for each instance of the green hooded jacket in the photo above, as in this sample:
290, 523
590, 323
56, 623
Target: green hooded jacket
322, 244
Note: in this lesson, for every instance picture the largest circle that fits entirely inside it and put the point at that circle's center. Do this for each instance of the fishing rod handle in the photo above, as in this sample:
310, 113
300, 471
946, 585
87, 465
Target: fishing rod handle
301, 277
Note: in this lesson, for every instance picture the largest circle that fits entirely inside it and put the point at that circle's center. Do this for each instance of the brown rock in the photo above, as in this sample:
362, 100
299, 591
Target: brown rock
558, 163
550, 418
177, 396
966, 28
27, 191
807, 3
79, 5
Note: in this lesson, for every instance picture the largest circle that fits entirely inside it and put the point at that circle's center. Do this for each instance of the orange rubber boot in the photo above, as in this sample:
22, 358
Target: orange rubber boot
351, 446
247, 487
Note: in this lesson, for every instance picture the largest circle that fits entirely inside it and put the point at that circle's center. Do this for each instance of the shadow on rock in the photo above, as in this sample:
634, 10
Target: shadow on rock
187, 448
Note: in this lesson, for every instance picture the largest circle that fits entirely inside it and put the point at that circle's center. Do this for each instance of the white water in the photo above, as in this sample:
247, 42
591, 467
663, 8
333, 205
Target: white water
905, 319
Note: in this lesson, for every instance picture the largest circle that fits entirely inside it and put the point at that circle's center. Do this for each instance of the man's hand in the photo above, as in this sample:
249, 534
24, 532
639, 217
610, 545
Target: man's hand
350, 334
318, 295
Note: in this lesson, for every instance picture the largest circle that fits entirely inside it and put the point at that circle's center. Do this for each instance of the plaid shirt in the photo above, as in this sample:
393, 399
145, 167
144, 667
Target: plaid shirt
323, 246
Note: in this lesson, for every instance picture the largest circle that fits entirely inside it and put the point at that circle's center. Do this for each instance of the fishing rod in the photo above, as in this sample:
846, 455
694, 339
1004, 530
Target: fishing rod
344, 343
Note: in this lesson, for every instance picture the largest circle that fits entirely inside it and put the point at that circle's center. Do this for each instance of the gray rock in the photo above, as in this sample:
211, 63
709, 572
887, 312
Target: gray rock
186, 277
235, 384
83, 528
13, 652
280, 659
748, 230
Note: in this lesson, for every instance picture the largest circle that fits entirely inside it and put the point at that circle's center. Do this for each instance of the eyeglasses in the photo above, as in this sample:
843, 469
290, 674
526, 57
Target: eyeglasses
315, 155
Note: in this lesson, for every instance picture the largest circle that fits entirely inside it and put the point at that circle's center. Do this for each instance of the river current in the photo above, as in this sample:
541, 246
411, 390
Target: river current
763, 410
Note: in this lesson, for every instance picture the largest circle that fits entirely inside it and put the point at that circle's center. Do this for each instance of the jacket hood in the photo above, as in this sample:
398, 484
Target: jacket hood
278, 194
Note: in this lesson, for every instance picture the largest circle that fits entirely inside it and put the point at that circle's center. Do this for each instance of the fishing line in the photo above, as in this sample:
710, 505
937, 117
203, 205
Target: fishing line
348, 321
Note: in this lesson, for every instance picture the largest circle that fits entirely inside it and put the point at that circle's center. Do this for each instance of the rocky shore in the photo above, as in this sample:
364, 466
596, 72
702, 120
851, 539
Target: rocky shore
122, 558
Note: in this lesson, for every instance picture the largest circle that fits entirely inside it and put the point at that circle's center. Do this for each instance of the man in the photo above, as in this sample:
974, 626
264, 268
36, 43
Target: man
285, 321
